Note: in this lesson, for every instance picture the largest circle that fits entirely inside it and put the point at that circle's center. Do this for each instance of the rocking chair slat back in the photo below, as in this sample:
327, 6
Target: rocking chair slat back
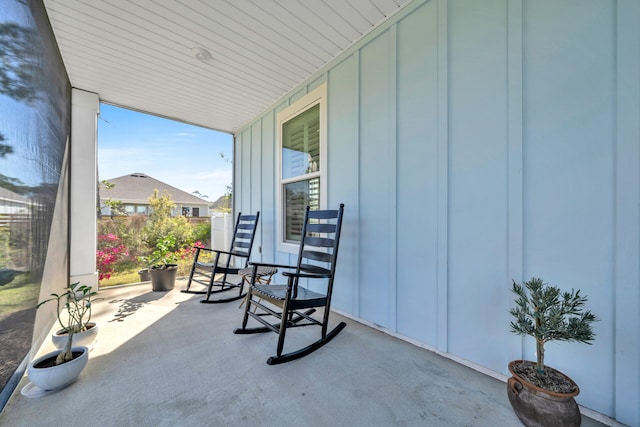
316, 263
205, 272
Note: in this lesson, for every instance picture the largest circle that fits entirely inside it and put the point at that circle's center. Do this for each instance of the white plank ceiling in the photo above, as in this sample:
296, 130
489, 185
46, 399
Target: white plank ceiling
140, 54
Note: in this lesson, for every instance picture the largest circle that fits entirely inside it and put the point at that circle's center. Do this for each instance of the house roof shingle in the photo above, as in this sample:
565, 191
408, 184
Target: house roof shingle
138, 187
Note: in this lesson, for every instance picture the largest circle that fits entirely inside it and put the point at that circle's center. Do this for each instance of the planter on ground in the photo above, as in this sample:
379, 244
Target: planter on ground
163, 278
536, 406
43, 374
539, 394
80, 339
144, 275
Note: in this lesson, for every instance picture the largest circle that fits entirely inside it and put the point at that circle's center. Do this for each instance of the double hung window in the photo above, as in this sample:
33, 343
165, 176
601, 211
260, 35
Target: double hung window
302, 164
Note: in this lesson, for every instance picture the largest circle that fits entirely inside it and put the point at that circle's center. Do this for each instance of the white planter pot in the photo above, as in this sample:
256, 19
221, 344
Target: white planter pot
81, 339
59, 376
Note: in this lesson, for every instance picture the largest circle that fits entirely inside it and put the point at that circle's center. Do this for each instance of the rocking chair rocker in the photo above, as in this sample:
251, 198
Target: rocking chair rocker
293, 304
205, 273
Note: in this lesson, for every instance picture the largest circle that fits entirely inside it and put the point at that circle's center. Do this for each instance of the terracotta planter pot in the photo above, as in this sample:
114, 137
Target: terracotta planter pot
536, 406
55, 377
163, 279
84, 338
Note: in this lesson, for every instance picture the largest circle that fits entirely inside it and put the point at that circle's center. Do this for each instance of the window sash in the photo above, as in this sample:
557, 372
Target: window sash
301, 164
301, 144
299, 194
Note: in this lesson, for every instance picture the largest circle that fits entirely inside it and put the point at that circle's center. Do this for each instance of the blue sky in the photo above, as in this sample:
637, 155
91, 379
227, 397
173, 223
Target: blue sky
182, 155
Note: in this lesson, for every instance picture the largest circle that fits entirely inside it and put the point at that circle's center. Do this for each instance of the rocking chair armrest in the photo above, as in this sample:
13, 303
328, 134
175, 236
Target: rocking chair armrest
265, 264
238, 254
220, 251
306, 275
201, 249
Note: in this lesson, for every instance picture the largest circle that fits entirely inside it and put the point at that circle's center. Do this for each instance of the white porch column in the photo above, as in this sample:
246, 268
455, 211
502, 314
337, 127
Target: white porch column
85, 107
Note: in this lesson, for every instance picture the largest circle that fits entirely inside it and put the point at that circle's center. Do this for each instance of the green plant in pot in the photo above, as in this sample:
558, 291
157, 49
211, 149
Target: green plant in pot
61, 367
541, 395
75, 323
162, 264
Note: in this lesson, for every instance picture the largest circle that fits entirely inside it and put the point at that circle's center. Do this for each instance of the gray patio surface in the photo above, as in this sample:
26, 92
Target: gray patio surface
164, 359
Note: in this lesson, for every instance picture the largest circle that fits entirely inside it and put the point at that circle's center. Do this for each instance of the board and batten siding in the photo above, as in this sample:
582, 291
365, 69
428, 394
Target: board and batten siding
473, 143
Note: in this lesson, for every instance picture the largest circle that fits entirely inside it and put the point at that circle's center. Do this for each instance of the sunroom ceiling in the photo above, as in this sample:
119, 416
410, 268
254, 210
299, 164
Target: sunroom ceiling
141, 54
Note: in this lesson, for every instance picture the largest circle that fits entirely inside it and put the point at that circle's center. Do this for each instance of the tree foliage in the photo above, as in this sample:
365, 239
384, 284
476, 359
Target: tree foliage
116, 207
547, 314
21, 75
161, 224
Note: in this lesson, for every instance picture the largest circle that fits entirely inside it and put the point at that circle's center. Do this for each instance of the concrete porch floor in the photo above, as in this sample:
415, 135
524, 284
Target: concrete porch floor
164, 359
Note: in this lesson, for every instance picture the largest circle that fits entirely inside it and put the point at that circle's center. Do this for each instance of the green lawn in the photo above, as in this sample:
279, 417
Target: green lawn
123, 278
132, 276
18, 295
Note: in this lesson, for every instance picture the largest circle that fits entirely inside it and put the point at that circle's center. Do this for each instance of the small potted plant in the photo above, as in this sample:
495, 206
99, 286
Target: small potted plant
162, 265
61, 367
78, 310
539, 394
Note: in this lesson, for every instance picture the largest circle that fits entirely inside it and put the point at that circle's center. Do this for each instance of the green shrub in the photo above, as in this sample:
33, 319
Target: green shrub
134, 235
178, 228
202, 233
141, 235
161, 224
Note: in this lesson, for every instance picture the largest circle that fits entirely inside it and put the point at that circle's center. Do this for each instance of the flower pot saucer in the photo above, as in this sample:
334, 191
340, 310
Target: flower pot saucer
31, 390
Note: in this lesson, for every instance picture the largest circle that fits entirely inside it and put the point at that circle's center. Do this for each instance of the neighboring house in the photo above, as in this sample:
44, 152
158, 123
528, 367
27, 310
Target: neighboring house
135, 189
12, 204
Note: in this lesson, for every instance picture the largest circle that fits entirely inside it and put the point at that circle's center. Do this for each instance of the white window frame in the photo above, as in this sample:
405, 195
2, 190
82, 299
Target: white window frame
317, 96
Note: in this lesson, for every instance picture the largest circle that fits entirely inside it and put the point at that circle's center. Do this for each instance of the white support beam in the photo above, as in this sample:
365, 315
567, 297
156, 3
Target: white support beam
85, 107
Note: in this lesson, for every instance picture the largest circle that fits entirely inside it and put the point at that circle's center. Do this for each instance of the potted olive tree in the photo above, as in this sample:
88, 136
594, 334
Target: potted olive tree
539, 394
162, 265
61, 367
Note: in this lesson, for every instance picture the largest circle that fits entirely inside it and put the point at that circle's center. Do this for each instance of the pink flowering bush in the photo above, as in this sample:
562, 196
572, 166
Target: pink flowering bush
110, 251
188, 252
185, 257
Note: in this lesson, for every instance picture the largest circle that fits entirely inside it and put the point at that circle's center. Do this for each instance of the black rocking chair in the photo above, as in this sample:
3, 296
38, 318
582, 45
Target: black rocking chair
205, 273
293, 305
